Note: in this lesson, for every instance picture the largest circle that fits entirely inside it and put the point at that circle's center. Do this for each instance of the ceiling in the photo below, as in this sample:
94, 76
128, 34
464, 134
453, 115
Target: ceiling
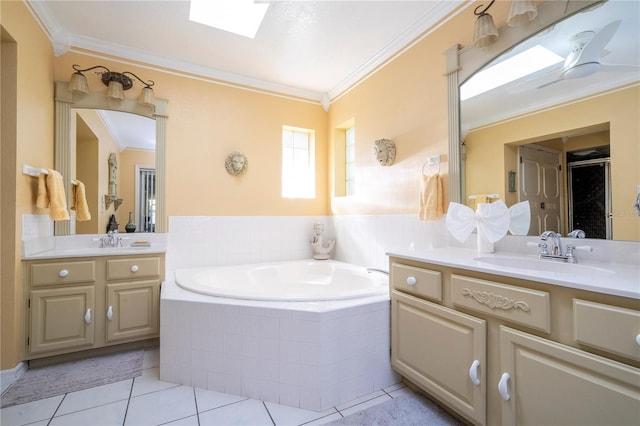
307, 49
523, 95
314, 50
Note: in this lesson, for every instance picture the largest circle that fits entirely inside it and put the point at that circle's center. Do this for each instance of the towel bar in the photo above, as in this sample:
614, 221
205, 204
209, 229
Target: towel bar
36, 171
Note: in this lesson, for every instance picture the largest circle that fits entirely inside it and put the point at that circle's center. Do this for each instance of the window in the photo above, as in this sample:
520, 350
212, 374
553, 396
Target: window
350, 160
298, 163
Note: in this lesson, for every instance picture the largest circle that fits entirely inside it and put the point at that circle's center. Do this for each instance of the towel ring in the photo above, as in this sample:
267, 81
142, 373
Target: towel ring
431, 162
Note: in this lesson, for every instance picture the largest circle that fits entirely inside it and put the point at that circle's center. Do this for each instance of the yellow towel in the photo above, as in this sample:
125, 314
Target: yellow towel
79, 202
57, 197
42, 200
431, 197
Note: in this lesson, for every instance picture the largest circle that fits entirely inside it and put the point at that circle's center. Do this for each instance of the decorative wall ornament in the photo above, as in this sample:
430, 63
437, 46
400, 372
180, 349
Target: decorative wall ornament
236, 163
112, 196
495, 301
385, 151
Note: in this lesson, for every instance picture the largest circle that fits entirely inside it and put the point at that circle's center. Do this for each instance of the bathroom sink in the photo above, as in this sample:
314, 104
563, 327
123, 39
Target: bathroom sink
540, 265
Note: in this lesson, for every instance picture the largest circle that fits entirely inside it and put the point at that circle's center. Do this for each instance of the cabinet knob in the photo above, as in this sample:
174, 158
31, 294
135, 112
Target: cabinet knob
110, 313
134, 268
473, 372
503, 386
87, 316
63, 273
638, 339
411, 280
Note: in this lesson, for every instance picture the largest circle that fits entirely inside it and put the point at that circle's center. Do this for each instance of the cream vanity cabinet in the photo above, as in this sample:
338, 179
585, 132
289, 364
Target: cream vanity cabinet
75, 304
500, 350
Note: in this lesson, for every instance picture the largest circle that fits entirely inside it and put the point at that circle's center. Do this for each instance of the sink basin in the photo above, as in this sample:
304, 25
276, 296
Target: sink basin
540, 265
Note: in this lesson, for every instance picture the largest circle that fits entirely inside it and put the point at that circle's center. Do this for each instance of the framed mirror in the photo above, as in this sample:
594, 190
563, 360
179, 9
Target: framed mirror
68, 107
586, 123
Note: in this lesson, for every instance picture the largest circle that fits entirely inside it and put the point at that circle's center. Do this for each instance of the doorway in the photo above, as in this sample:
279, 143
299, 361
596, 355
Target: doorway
146, 198
541, 185
589, 188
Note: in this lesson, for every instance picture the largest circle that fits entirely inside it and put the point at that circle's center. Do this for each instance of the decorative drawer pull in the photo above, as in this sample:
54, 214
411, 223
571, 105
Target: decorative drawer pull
503, 386
110, 313
87, 316
63, 273
411, 280
638, 339
473, 372
134, 268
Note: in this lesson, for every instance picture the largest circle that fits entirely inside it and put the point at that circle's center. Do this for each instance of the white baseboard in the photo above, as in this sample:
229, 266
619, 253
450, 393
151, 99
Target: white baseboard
8, 377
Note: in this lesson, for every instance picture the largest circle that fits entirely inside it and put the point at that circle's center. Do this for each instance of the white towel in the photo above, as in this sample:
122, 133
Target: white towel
492, 220
520, 218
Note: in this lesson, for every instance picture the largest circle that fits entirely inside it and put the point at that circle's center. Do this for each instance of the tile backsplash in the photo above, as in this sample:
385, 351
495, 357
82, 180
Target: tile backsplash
196, 241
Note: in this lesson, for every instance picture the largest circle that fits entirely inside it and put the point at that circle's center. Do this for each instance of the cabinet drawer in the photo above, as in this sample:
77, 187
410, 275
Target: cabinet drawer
133, 268
62, 273
608, 328
516, 304
417, 281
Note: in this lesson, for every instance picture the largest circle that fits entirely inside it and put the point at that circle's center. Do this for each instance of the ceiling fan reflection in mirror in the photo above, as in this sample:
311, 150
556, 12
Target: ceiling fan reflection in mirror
587, 48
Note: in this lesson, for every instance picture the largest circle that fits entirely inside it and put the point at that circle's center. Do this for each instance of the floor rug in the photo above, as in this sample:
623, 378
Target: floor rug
45, 382
406, 410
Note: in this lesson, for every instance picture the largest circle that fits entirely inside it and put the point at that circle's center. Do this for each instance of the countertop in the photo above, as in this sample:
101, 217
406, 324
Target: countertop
87, 246
618, 279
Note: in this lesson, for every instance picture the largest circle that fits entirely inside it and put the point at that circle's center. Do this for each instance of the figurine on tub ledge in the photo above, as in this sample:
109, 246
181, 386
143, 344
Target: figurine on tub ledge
321, 252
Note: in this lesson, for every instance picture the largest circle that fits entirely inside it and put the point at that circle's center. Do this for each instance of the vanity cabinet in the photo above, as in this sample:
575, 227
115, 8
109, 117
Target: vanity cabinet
442, 351
502, 350
87, 303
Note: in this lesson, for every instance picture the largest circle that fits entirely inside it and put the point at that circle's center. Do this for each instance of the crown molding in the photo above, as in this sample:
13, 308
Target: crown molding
64, 42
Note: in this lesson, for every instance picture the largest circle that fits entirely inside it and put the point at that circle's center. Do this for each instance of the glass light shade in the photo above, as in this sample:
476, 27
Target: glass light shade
521, 12
146, 97
486, 31
78, 83
115, 90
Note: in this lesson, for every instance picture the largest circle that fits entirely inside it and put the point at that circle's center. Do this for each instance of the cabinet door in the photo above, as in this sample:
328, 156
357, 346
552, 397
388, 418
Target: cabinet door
552, 384
61, 318
440, 350
132, 310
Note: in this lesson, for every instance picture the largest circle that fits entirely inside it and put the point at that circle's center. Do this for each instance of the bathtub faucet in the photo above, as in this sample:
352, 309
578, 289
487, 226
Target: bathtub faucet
382, 271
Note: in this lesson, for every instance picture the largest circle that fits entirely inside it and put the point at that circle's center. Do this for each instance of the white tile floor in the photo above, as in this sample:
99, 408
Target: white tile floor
145, 400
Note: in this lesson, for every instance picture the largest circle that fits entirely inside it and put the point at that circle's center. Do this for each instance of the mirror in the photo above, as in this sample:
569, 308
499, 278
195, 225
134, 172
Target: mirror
115, 160
72, 113
577, 122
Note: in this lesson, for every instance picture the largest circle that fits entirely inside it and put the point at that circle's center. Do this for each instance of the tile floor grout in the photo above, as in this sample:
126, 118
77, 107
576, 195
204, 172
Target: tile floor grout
276, 417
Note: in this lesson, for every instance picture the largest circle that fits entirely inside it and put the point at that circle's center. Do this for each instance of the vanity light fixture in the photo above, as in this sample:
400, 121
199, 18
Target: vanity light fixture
486, 31
521, 12
116, 82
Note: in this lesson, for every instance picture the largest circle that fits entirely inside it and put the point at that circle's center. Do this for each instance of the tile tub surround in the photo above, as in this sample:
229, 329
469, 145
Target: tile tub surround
199, 241
329, 354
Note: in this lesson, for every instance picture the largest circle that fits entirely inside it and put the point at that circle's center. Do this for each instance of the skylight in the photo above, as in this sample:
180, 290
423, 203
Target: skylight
517, 66
242, 17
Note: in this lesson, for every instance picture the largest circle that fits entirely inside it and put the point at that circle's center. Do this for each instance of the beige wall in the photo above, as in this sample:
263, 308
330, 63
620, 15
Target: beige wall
207, 121
106, 146
405, 101
619, 111
31, 143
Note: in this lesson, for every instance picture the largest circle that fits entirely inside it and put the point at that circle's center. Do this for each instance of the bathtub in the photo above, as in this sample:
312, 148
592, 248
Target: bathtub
302, 280
308, 334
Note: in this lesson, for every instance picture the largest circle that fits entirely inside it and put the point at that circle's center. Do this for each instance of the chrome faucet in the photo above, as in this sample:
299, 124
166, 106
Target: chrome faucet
111, 240
554, 251
556, 245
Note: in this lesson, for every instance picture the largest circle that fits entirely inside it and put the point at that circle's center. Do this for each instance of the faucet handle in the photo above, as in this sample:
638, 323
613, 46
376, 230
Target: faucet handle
541, 245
